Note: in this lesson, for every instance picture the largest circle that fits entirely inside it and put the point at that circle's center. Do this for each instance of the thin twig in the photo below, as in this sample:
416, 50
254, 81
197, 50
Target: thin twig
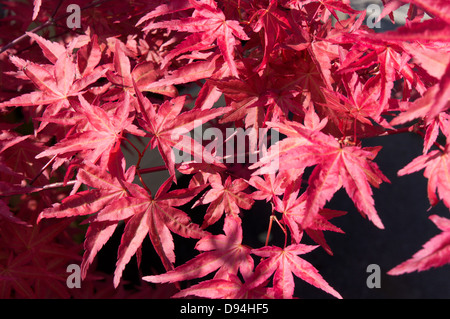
42, 170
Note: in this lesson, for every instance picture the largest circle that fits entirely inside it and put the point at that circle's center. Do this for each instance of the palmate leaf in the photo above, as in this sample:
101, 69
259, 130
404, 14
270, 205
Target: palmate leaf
168, 127
293, 206
284, 64
222, 253
227, 197
154, 216
107, 189
436, 8
284, 263
336, 166
437, 169
208, 25
55, 82
33, 268
435, 252
102, 141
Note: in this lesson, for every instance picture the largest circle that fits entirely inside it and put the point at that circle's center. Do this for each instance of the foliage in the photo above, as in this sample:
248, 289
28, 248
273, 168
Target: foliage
141, 75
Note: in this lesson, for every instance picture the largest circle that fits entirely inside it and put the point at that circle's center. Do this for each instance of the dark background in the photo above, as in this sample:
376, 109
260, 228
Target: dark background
402, 207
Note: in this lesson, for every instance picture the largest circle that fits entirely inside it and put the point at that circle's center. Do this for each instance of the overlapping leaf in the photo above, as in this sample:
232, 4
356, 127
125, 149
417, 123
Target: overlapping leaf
222, 253
284, 263
155, 216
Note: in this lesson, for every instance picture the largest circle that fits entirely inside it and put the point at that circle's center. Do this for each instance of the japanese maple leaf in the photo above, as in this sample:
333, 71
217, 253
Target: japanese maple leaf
231, 288
190, 72
55, 83
155, 216
293, 207
106, 189
391, 62
434, 60
17, 159
284, 263
440, 123
276, 27
36, 266
6, 214
227, 197
208, 24
434, 102
37, 7
437, 169
222, 253
330, 5
268, 186
435, 252
168, 127
143, 74
247, 99
102, 140
166, 8
337, 166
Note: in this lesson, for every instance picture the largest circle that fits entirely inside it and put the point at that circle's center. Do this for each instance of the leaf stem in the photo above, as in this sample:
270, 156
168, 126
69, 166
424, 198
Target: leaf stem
132, 145
153, 169
42, 170
422, 134
141, 155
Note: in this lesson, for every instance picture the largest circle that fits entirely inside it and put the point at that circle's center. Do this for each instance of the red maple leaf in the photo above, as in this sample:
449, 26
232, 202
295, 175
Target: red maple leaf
337, 166
293, 209
222, 253
284, 263
106, 190
276, 25
35, 262
55, 83
435, 252
168, 127
227, 197
101, 141
155, 216
270, 185
208, 24
331, 5
437, 170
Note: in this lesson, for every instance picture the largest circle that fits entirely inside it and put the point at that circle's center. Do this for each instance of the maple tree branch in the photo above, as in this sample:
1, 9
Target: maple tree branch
407, 129
269, 229
24, 36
